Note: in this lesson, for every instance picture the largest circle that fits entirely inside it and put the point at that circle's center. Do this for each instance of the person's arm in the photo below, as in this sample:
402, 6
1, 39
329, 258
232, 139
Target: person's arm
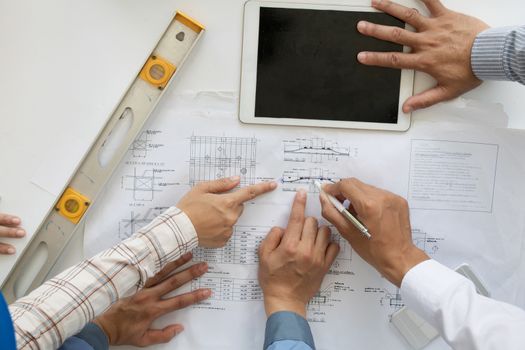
499, 54
293, 263
91, 337
286, 330
129, 321
63, 305
465, 319
442, 297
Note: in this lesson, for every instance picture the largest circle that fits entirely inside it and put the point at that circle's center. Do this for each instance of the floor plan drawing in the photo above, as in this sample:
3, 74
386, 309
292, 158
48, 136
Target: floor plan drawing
213, 157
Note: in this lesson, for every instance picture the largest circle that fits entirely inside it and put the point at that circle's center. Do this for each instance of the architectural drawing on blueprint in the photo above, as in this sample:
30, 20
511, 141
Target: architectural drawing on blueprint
342, 264
144, 144
214, 157
130, 225
303, 178
144, 184
230, 289
324, 300
240, 249
314, 150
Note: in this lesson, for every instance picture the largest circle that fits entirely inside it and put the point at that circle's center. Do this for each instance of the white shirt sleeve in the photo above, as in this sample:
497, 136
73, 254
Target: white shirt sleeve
465, 319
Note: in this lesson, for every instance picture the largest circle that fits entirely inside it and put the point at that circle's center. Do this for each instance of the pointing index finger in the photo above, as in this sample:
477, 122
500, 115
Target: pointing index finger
296, 221
251, 192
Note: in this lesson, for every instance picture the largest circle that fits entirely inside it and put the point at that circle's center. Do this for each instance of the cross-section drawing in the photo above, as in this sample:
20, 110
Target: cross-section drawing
303, 178
144, 144
314, 150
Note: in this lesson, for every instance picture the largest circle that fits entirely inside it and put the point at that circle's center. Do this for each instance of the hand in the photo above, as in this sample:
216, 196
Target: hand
213, 214
441, 47
128, 321
390, 250
293, 262
10, 228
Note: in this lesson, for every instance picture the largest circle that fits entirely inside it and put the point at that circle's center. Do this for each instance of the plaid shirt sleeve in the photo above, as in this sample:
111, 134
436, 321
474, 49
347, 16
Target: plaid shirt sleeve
61, 307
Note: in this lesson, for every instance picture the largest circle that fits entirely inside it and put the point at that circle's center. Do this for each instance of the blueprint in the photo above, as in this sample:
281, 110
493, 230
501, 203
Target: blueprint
459, 180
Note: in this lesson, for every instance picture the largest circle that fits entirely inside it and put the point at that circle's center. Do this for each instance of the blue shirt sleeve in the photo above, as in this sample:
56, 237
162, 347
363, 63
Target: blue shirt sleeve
7, 332
499, 54
288, 331
89, 338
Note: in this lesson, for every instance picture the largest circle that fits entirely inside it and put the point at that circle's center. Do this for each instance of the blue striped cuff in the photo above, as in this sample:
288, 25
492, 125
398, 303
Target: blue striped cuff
286, 325
488, 51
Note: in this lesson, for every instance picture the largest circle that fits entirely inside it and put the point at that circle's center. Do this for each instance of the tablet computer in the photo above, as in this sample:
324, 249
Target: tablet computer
299, 67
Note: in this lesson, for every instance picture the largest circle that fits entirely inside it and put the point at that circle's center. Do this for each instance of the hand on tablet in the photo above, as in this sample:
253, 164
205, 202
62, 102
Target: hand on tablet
441, 47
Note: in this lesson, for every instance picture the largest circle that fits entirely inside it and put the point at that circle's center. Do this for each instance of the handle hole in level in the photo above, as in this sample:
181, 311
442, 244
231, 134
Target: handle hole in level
38, 261
112, 144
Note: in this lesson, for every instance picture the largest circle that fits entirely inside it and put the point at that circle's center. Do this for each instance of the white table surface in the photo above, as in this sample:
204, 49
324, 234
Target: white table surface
77, 57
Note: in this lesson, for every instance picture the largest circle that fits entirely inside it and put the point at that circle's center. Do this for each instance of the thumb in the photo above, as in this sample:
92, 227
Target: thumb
221, 185
428, 98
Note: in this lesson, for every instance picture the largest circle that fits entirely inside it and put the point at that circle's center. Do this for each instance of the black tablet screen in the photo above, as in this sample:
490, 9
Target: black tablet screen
307, 67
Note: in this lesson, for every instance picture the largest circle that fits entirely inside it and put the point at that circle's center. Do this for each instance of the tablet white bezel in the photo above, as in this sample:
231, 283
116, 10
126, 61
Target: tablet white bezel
249, 73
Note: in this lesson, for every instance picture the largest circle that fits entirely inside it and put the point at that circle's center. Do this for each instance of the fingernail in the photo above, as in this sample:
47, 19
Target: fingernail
273, 185
20, 233
408, 109
11, 250
361, 57
206, 293
376, 2
15, 221
179, 329
361, 25
235, 178
301, 194
187, 255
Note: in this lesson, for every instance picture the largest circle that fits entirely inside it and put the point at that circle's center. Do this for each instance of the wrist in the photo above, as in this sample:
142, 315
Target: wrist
106, 329
276, 304
406, 262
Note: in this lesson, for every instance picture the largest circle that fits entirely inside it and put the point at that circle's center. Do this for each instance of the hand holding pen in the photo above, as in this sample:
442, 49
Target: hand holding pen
386, 215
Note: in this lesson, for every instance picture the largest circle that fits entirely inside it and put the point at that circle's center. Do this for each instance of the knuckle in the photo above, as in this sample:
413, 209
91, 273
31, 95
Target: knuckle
396, 34
393, 58
229, 203
411, 14
369, 205
231, 220
290, 249
311, 221
252, 193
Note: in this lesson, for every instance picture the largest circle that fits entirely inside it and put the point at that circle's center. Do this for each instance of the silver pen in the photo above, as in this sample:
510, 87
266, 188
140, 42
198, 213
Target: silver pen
341, 208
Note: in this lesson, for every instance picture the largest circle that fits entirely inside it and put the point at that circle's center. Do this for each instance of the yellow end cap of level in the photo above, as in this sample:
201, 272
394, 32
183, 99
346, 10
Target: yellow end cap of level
157, 71
196, 26
72, 205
